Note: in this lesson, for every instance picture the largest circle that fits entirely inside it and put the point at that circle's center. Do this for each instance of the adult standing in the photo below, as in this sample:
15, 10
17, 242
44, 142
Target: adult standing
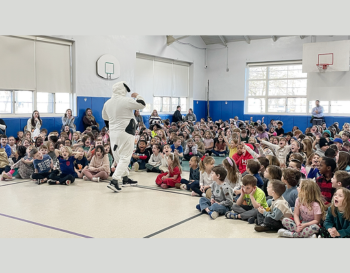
89, 120
154, 119
138, 117
119, 118
68, 120
177, 114
2, 127
191, 116
317, 114
34, 122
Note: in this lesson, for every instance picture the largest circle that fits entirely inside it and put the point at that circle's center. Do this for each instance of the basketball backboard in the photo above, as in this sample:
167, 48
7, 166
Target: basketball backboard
326, 56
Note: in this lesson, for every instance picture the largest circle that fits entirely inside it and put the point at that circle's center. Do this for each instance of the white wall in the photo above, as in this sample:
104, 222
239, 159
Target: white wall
231, 85
89, 48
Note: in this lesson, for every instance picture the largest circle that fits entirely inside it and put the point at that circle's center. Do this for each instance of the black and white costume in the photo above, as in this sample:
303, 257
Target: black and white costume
119, 118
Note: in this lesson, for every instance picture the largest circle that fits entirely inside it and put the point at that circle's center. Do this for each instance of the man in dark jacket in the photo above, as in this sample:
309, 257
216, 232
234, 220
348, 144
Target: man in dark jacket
177, 115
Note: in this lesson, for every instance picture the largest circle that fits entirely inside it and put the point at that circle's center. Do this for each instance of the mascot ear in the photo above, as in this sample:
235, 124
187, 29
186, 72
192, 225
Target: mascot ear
127, 87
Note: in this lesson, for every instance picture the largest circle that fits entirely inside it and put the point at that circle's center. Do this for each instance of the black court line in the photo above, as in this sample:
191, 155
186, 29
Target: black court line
155, 189
15, 183
45, 226
172, 226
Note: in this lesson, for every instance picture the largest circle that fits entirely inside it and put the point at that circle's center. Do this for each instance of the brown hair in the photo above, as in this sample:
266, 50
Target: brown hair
297, 132
297, 162
310, 192
196, 158
249, 179
263, 161
220, 171
343, 177
310, 158
278, 186
273, 160
292, 176
274, 171
346, 202
343, 160
232, 171
254, 166
33, 152
205, 161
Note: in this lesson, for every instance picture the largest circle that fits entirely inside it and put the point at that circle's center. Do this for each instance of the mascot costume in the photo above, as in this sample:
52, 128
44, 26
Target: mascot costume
119, 118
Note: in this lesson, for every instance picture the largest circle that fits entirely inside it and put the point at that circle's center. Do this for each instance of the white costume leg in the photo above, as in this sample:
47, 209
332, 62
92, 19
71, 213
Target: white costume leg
123, 153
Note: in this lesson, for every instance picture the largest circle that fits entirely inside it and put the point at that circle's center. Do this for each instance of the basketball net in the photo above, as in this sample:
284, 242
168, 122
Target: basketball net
322, 67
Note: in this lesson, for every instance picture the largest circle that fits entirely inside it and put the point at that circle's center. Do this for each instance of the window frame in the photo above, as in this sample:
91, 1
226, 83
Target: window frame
170, 106
266, 97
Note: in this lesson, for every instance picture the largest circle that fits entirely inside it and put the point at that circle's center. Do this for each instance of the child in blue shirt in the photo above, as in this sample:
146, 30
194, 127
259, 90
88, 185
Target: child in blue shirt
67, 175
43, 166
177, 149
80, 163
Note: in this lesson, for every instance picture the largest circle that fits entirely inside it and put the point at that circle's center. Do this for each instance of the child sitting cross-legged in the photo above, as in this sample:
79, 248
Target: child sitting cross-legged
337, 223
191, 149
308, 212
140, 157
220, 147
194, 174
169, 179
99, 166
25, 165
156, 159
80, 162
251, 198
221, 195
291, 178
202, 187
43, 165
271, 218
66, 161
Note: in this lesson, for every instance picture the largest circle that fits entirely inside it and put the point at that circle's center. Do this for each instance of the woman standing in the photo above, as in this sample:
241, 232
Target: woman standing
138, 117
89, 120
154, 119
34, 122
68, 120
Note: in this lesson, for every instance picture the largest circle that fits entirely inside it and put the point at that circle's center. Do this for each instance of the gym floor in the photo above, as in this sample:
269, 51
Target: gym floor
90, 210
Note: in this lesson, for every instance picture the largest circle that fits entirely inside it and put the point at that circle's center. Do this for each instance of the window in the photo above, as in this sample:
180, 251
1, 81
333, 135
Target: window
45, 103
276, 88
5, 102
163, 83
340, 107
166, 104
62, 102
23, 102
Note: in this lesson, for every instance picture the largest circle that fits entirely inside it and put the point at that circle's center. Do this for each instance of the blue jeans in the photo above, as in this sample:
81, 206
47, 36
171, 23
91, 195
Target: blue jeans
217, 153
141, 162
186, 182
205, 203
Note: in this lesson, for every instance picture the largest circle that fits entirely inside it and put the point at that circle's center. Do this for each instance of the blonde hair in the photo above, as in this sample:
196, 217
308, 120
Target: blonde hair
208, 132
346, 203
307, 146
310, 192
204, 162
68, 149
176, 162
232, 171
163, 135
77, 133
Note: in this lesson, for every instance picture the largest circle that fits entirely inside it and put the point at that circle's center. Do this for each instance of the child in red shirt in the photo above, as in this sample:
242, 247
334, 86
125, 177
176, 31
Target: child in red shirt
169, 179
241, 157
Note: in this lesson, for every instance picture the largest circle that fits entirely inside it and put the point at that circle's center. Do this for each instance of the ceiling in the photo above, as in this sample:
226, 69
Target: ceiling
223, 39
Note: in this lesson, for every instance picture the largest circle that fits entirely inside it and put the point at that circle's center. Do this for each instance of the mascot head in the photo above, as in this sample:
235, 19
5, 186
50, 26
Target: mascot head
120, 89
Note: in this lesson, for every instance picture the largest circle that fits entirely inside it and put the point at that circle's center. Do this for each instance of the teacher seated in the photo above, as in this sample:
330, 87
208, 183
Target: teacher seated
34, 122
68, 120
154, 119
89, 120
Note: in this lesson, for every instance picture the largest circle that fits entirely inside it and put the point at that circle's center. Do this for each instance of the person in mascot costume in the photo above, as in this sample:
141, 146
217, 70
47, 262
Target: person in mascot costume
119, 118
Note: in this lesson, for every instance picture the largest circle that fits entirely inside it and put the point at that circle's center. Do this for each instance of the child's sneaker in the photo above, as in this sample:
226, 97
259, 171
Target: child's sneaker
198, 207
183, 187
313, 236
231, 215
68, 182
285, 233
51, 182
2, 177
96, 179
164, 186
178, 185
251, 220
213, 214
7, 176
261, 228
136, 167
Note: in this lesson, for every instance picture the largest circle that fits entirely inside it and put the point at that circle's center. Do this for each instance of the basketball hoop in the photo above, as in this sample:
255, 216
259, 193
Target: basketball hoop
322, 67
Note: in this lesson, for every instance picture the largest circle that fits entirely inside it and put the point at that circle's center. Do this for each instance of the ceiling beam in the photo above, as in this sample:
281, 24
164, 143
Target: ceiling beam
274, 38
222, 38
247, 39
302, 37
170, 39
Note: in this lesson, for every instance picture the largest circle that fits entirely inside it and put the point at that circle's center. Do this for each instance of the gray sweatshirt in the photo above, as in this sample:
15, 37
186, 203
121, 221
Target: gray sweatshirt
222, 193
155, 160
194, 149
